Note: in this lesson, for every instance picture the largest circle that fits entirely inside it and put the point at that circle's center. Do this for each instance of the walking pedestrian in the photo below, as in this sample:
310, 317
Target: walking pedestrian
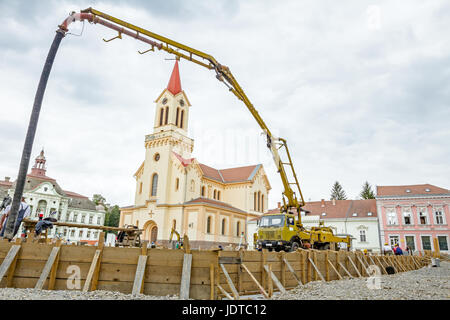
24, 211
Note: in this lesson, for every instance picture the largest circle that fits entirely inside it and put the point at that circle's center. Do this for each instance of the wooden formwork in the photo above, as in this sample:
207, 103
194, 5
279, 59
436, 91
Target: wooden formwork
197, 274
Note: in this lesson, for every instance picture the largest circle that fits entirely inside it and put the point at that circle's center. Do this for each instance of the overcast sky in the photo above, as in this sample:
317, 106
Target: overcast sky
360, 91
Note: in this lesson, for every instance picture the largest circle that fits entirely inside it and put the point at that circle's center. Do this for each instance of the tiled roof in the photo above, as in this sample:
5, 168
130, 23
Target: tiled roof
74, 194
214, 203
417, 189
340, 209
230, 175
184, 162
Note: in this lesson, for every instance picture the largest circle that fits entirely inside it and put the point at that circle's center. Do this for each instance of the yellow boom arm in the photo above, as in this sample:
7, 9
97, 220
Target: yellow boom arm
291, 200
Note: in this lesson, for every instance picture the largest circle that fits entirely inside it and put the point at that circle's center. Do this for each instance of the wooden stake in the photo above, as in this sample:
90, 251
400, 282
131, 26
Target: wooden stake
363, 266
230, 282
275, 279
291, 270
9, 263
327, 267
211, 279
354, 267
335, 270
186, 275
283, 268
47, 268
138, 285
303, 265
93, 267
224, 292
316, 273
316, 269
263, 263
345, 269
268, 270
52, 280
261, 289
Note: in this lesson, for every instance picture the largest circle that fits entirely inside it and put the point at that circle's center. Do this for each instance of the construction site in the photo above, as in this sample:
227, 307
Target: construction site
288, 261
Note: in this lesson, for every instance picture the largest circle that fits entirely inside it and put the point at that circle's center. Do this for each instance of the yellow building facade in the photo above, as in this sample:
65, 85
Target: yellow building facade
211, 206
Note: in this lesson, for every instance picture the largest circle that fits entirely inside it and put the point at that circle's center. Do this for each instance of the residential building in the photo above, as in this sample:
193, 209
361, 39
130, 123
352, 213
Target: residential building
413, 215
211, 206
45, 196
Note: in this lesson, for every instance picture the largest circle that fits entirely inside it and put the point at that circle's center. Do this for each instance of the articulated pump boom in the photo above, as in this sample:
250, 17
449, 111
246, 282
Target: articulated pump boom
292, 200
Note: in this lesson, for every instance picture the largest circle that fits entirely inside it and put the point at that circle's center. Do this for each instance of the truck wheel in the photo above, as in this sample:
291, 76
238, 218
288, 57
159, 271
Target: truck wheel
294, 246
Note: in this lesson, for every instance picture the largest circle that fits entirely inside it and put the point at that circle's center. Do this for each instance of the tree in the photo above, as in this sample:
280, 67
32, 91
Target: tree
367, 192
98, 199
112, 216
337, 192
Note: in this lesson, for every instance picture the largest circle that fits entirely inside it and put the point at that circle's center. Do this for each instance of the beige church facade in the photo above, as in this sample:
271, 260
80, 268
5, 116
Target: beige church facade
211, 206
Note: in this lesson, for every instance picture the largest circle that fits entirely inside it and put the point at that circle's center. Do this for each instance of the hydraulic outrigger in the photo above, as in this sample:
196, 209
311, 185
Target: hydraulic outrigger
292, 201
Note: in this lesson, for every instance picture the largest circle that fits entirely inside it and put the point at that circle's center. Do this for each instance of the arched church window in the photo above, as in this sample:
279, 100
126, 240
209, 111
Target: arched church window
167, 116
181, 119
203, 191
215, 194
161, 116
238, 228
178, 114
259, 201
223, 226
218, 195
262, 203
208, 225
177, 184
254, 201
154, 184
192, 185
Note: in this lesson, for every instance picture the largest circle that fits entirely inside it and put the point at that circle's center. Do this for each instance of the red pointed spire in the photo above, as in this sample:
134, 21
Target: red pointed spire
174, 85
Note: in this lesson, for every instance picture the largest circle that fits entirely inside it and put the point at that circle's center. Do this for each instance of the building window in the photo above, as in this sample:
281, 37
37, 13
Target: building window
259, 201
410, 242
82, 218
362, 235
65, 232
181, 119
88, 235
177, 184
218, 195
443, 244
203, 191
140, 187
208, 225
72, 233
192, 185
161, 116
262, 203
98, 220
254, 201
423, 216
407, 217
215, 194
75, 217
91, 218
80, 234
238, 228
223, 226
166, 120
393, 240
178, 114
392, 217
439, 217
426, 243
154, 184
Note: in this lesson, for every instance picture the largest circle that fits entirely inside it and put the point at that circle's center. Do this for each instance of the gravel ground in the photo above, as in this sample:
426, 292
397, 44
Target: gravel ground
424, 284
33, 294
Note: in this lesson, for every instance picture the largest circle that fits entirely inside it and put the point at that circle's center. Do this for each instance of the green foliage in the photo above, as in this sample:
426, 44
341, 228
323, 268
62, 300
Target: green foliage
367, 192
98, 199
112, 213
337, 192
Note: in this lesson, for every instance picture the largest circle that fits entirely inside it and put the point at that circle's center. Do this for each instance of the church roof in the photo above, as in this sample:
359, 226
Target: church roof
230, 175
214, 203
184, 162
174, 85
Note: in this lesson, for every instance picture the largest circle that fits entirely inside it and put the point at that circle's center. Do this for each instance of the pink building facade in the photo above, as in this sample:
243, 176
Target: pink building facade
413, 216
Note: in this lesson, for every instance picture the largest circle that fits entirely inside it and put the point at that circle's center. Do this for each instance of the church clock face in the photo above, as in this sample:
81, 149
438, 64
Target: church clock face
157, 156
181, 102
164, 101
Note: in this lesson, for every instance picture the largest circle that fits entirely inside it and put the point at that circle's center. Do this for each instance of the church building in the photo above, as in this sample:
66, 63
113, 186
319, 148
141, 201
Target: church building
211, 206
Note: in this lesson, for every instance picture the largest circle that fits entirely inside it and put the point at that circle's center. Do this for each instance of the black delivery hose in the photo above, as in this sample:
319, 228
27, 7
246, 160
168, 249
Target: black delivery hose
28, 146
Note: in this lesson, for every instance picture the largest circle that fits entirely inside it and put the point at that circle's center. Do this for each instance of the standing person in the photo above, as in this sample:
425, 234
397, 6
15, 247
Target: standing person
387, 250
6, 202
24, 211
398, 251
